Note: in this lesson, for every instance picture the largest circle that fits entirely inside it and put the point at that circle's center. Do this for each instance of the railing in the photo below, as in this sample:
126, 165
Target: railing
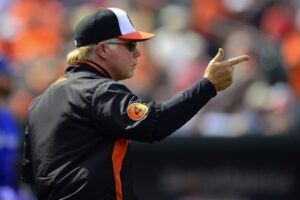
252, 168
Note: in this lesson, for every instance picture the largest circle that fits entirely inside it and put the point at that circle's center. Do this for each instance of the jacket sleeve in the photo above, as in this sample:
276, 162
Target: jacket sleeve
26, 165
181, 108
122, 114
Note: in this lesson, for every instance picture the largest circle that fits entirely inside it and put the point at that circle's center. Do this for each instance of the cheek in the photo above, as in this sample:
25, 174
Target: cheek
123, 62
126, 62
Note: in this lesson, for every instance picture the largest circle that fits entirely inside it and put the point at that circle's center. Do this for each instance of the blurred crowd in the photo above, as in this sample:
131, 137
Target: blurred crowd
35, 36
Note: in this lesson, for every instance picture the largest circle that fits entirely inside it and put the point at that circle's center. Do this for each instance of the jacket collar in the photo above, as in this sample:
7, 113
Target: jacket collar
97, 67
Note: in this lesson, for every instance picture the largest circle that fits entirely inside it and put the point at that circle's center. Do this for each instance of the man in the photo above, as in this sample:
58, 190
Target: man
80, 128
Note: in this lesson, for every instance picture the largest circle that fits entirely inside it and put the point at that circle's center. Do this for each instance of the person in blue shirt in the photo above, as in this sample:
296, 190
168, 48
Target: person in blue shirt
9, 134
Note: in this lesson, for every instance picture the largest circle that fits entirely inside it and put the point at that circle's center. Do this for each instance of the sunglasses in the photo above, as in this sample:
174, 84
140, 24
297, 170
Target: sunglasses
131, 46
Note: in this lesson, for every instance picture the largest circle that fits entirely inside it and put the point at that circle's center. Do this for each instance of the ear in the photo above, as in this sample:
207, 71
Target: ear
102, 50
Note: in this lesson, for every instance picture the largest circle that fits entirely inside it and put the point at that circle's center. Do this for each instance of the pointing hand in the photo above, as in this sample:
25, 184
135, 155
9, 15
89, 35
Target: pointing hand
220, 72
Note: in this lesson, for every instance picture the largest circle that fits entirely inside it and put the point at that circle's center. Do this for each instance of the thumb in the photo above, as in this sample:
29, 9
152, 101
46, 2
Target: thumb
219, 57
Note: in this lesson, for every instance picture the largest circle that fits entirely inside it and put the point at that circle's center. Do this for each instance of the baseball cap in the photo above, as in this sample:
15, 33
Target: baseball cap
107, 23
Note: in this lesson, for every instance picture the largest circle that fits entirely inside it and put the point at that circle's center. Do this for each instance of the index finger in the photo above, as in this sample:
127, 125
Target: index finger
237, 60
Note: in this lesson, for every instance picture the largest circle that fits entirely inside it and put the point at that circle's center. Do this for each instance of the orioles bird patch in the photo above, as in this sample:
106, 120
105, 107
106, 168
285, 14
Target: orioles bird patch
137, 111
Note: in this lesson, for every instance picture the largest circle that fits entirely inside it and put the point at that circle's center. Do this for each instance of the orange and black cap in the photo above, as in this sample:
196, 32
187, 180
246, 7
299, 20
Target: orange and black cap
107, 23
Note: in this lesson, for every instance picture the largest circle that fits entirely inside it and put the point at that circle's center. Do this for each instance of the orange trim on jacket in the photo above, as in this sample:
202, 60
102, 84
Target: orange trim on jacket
100, 69
119, 152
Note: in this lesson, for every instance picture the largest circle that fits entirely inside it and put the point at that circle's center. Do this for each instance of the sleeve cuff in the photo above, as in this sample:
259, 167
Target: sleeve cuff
210, 86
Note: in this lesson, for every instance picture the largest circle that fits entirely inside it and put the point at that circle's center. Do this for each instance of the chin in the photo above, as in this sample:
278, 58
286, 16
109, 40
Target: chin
125, 77
130, 76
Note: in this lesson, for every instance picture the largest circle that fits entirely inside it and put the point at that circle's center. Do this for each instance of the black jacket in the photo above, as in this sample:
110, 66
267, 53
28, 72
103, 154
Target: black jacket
79, 131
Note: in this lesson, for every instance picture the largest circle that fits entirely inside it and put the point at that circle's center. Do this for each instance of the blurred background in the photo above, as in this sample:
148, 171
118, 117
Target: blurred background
243, 145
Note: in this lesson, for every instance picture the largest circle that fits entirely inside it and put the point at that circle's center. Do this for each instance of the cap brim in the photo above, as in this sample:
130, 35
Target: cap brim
137, 36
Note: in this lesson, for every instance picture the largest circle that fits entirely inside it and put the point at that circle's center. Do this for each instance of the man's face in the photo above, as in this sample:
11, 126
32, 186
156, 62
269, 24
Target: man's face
122, 58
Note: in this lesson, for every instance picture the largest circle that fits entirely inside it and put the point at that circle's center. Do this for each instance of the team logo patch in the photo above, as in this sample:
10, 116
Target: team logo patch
137, 111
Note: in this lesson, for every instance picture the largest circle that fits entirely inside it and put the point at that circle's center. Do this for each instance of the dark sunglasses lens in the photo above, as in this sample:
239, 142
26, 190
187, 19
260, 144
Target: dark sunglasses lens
131, 46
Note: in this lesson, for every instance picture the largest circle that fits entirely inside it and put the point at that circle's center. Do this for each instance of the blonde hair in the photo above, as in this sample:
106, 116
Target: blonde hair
85, 53
80, 54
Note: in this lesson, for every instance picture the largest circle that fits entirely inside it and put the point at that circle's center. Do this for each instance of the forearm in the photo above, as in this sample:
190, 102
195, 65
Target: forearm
181, 108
